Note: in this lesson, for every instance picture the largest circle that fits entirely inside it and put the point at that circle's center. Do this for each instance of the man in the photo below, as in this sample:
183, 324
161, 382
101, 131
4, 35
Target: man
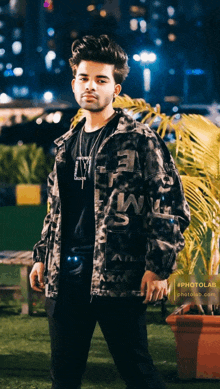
114, 226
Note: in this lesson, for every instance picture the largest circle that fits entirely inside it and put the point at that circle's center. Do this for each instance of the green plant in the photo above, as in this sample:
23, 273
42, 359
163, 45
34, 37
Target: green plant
198, 148
26, 164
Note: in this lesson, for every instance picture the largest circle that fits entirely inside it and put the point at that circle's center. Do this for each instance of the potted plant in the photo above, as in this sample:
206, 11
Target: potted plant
196, 326
23, 168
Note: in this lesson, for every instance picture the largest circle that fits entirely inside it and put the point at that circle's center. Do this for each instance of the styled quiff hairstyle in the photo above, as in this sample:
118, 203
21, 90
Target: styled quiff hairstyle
102, 50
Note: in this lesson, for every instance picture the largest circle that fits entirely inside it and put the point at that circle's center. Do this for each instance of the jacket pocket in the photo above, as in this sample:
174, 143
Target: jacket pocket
124, 251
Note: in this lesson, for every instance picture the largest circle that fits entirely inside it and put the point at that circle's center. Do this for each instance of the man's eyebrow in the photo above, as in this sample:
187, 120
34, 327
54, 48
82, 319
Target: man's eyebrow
98, 76
103, 77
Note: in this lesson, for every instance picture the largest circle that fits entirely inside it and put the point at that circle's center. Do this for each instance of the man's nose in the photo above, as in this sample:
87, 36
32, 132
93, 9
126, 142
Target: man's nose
90, 85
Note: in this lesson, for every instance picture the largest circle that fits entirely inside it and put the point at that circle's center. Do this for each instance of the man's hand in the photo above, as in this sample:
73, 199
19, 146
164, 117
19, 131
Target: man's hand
37, 277
153, 287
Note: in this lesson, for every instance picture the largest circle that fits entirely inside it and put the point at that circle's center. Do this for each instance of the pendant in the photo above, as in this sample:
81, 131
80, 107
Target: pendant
82, 183
82, 168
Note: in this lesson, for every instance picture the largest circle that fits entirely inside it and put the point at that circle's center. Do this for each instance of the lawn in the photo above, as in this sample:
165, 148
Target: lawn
25, 347
25, 355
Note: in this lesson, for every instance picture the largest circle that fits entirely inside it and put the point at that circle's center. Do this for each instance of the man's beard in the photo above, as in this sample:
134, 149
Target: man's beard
95, 106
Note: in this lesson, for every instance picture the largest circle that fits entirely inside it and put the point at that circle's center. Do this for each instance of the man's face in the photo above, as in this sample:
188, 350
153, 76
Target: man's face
94, 85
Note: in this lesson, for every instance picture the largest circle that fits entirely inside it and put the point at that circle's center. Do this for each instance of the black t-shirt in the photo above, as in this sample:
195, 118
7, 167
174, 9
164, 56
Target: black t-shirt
78, 223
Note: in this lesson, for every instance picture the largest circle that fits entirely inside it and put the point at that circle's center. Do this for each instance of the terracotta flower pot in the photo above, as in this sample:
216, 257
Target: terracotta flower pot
197, 344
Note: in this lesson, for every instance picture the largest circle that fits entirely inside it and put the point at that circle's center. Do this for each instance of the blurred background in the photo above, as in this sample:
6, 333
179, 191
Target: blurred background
174, 57
173, 48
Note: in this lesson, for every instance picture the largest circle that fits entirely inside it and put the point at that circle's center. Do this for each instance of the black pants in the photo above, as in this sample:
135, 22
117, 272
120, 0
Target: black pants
123, 324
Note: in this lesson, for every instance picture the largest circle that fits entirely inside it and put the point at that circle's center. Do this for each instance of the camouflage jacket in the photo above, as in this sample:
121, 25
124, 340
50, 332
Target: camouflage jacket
140, 212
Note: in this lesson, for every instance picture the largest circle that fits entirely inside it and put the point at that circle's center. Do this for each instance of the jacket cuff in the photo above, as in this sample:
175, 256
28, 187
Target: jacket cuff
163, 273
37, 259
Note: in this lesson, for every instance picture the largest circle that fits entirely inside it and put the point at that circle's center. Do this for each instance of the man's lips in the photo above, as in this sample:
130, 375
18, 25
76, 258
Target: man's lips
89, 96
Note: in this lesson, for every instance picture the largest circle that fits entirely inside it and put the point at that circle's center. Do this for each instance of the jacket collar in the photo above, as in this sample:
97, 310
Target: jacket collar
59, 141
126, 123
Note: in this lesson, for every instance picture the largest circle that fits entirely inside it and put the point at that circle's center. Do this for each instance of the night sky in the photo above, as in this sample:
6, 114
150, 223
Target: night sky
208, 11
71, 15
211, 19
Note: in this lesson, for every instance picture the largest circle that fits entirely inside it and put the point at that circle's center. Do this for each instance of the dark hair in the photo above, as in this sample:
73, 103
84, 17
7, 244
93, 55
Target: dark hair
103, 50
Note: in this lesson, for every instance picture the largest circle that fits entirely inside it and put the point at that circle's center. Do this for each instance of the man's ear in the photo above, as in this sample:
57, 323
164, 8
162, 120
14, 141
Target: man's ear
117, 90
73, 84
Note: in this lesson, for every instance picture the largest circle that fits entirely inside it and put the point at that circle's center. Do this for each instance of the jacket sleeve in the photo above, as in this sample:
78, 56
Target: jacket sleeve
40, 248
167, 212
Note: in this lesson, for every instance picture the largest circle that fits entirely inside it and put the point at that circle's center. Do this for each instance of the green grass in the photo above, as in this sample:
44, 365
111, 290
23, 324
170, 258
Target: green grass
25, 344
25, 355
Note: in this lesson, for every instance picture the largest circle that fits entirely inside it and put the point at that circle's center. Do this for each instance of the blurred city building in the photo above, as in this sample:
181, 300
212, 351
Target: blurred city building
166, 41
12, 48
174, 31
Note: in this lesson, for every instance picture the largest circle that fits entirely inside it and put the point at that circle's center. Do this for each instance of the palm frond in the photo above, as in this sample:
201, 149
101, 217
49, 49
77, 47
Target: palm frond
75, 120
202, 202
133, 105
200, 140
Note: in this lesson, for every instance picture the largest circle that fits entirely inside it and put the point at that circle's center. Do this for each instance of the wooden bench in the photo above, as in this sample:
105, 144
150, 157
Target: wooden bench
23, 259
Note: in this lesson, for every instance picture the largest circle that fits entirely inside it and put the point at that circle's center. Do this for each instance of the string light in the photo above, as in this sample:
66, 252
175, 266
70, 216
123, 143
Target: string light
90, 8
103, 13
172, 37
171, 22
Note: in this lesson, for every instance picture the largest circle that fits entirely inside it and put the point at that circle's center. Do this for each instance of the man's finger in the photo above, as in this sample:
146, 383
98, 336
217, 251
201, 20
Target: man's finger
35, 282
149, 294
37, 285
155, 294
37, 289
159, 295
148, 298
40, 278
143, 288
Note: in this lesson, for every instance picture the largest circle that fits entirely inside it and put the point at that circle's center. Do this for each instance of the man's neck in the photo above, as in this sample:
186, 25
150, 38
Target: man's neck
96, 120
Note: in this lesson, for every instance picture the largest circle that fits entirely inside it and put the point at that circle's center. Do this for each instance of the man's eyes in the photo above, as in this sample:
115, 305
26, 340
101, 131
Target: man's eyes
98, 81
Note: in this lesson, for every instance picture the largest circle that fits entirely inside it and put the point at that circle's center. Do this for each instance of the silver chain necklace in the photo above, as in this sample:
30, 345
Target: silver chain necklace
84, 160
